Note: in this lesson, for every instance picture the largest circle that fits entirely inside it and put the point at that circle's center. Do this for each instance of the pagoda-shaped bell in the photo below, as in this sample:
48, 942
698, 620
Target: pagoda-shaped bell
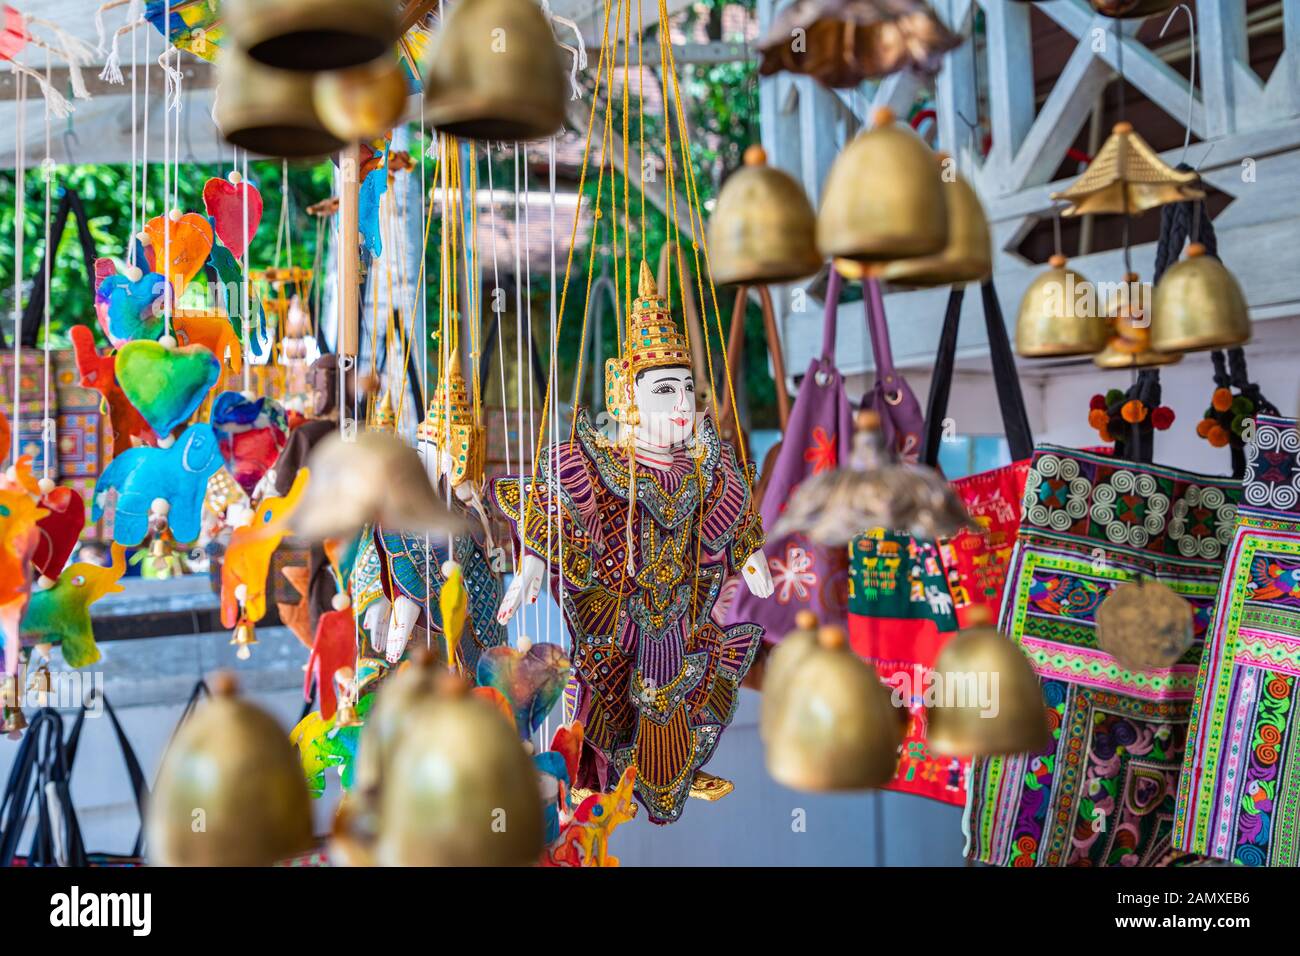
230, 791
763, 228
1198, 305
1003, 713
1127, 176
268, 111
884, 198
968, 256
836, 728
1058, 315
312, 34
384, 418
496, 73
361, 102
243, 638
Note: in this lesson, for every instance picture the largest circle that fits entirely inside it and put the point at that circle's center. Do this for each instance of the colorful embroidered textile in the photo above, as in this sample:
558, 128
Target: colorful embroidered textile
1104, 794
900, 616
976, 561
657, 672
1239, 794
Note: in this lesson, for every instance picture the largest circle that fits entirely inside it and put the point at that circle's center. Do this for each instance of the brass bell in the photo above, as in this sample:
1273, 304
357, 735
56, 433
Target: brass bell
230, 791
15, 720
377, 479
496, 73
1129, 345
990, 700
244, 637
460, 790
268, 111
968, 256
361, 102
1058, 315
312, 34
1127, 176
836, 728
763, 228
1131, 9
1113, 357
781, 662
884, 198
393, 705
1198, 305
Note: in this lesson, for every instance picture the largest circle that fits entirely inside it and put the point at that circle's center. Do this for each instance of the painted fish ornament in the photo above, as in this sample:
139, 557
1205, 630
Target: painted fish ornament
248, 557
61, 614
214, 332
134, 310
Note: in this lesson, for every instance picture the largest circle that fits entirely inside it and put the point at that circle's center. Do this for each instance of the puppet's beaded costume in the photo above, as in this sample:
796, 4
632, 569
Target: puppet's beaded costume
656, 672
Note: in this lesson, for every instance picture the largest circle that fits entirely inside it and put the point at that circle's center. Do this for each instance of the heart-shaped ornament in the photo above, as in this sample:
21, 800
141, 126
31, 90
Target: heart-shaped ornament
134, 309
59, 529
166, 385
530, 682
224, 202
187, 242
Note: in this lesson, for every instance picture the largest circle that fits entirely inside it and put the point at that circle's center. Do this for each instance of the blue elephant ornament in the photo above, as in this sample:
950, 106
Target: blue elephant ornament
177, 475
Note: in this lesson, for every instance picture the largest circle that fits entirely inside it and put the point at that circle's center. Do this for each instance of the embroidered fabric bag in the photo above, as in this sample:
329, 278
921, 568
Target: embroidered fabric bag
976, 562
1239, 793
1104, 793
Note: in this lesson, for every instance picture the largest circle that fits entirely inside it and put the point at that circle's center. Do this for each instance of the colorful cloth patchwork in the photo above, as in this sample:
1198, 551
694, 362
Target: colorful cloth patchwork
1239, 794
1104, 794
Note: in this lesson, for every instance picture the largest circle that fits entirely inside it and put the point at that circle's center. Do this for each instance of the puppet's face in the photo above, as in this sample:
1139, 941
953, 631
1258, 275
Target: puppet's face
665, 401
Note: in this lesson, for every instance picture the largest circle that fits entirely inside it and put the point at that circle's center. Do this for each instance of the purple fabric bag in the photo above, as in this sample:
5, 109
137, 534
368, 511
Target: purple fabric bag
901, 420
817, 439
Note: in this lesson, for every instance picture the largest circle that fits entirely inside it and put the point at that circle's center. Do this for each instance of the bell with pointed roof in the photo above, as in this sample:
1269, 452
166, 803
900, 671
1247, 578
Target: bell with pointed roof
450, 425
384, 418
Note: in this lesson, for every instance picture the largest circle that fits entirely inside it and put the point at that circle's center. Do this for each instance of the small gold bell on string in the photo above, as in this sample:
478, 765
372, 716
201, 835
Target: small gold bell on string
268, 111
836, 728
992, 702
968, 256
763, 228
41, 685
346, 689
491, 83
1059, 316
1198, 305
232, 761
1129, 345
244, 638
312, 34
884, 198
15, 720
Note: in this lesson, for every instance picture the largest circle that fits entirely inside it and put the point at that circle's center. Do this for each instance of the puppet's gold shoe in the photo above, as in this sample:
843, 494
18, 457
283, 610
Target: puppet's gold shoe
707, 786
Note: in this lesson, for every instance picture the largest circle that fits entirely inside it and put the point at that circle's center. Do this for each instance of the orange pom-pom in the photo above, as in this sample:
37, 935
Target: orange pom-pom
1133, 411
1098, 418
1203, 427
1105, 434
1218, 436
1222, 400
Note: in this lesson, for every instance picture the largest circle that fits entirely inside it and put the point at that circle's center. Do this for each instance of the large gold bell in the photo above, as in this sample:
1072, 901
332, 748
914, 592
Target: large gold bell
1059, 316
230, 791
781, 662
268, 111
968, 256
836, 728
496, 73
763, 228
459, 789
361, 102
1198, 305
990, 699
311, 34
884, 198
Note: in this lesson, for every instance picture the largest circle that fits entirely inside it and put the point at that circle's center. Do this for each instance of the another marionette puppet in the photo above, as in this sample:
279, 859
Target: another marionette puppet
638, 574
413, 567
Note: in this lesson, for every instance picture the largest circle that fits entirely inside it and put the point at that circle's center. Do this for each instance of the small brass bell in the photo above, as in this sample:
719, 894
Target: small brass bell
1198, 305
361, 102
763, 228
230, 791
269, 111
884, 198
1113, 357
41, 685
15, 720
1059, 316
836, 728
968, 256
496, 73
1129, 345
312, 34
460, 790
244, 638
781, 663
991, 700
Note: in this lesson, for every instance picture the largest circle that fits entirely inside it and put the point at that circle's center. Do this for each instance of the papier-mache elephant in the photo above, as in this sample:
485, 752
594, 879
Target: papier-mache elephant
178, 475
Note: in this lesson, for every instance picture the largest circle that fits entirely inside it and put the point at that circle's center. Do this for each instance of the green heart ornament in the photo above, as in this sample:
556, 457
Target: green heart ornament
166, 384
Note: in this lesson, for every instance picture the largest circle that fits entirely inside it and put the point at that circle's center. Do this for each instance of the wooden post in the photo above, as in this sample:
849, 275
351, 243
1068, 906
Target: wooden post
349, 250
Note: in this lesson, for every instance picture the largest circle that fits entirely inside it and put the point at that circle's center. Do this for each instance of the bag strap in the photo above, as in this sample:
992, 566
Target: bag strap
830, 317
878, 327
35, 309
138, 785
17, 794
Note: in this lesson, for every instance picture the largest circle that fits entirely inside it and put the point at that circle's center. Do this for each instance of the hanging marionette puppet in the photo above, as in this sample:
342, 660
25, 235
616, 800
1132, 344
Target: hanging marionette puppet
638, 575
